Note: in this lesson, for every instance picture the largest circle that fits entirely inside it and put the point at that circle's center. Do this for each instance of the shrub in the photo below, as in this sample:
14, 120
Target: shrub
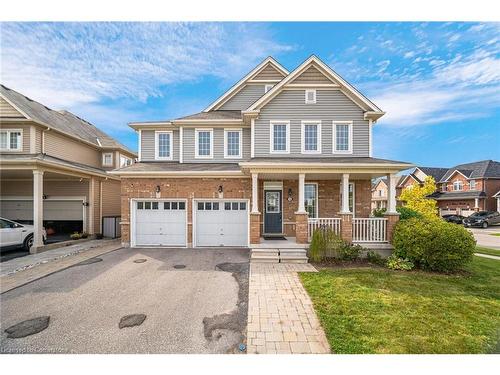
317, 248
375, 258
378, 212
326, 244
347, 251
396, 263
405, 213
433, 244
75, 236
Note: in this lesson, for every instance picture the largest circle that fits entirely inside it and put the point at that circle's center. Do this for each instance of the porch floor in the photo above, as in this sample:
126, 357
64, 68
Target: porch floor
289, 243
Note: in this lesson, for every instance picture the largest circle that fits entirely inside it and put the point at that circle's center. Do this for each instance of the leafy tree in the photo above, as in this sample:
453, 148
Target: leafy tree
415, 198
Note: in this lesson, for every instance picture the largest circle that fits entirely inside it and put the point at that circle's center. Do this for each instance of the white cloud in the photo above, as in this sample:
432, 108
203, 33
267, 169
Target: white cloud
71, 64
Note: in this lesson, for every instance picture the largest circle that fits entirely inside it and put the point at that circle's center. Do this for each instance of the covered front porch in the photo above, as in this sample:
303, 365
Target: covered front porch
291, 201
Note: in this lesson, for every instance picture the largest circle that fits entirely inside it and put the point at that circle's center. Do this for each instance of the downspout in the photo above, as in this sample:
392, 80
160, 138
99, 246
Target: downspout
43, 140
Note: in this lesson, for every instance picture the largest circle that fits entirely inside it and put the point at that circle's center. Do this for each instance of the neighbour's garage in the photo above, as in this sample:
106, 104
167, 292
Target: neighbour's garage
159, 223
220, 223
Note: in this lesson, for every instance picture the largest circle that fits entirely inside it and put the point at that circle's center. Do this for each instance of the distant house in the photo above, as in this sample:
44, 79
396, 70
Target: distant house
462, 189
54, 168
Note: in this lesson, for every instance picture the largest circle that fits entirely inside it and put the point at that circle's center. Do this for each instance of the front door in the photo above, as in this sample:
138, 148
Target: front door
273, 219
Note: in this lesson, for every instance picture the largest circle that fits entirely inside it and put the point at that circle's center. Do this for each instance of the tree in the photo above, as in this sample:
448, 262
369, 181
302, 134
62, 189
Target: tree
415, 198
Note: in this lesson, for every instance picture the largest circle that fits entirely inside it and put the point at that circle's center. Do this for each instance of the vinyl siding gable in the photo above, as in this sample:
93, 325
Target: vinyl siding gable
269, 73
8, 111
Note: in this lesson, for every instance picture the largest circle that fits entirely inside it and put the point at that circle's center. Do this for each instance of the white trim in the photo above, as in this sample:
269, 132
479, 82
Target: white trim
273, 185
181, 145
313, 101
19, 143
139, 146
303, 136
271, 136
240, 146
157, 144
353, 198
32, 139
459, 183
104, 164
264, 204
196, 145
252, 138
268, 87
370, 138
453, 173
405, 178
317, 197
235, 88
334, 133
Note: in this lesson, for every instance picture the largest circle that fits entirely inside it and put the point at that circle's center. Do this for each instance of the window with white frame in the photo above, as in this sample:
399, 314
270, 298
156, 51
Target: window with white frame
280, 137
311, 199
311, 137
11, 140
342, 137
458, 185
163, 145
107, 159
124, 161
472, 185
310, 97
267, 88
443, 187
204, 143
232, 143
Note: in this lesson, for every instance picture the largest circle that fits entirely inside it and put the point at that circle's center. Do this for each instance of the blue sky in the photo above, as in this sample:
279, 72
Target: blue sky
438, 82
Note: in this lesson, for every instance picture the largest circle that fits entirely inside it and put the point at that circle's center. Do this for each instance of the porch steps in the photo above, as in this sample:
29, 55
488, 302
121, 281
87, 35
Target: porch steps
278, 256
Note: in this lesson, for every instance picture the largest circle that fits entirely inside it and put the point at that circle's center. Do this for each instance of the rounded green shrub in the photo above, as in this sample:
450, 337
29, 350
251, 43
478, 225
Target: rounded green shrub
433, 244
396, 263
405, 213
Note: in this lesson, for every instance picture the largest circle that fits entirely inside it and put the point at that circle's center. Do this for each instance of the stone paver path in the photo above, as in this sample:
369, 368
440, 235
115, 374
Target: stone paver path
281, 317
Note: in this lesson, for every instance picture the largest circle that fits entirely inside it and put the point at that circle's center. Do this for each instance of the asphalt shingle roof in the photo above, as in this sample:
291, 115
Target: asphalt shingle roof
478, 169
178, 167
213, 115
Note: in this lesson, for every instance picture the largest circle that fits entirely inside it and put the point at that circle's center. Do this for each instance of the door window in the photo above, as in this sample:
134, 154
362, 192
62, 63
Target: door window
273, 202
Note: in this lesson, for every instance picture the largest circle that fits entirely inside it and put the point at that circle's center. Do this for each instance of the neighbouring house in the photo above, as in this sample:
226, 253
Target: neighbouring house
418, 176
380, 191
467, 188
54, 168
277, 155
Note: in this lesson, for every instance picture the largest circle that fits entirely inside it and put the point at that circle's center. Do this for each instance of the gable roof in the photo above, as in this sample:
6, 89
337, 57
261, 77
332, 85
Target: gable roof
378, 181
351, 92
263, 66
478, 169
436, 173
63, 121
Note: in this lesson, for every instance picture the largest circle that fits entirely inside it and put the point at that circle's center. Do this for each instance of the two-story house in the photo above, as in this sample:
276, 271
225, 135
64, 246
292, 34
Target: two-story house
277, 155
54, 168
380, 191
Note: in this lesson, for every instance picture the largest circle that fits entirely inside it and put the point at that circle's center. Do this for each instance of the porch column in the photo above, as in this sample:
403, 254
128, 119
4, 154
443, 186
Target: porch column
37, 210
345, 194
302, 179
91, 205
391, 193
255, 193
476, 204
255, 214
498, 204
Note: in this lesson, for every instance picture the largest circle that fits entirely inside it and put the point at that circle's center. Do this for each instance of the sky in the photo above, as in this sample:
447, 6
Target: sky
438, 82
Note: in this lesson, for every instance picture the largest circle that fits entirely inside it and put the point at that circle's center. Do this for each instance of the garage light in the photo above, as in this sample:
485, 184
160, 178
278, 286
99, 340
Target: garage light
158, 189
221, 189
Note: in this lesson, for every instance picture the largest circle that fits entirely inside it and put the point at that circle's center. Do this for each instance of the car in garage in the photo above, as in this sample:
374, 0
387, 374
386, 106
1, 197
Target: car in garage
14, 235
457, 219
482, 219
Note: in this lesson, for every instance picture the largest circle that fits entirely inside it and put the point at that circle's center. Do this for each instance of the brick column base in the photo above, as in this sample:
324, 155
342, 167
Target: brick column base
392, 220
254, 228
301, 227
346, 227
125, 233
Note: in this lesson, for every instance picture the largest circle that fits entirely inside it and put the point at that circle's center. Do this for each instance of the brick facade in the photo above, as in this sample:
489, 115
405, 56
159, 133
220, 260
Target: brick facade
241, 188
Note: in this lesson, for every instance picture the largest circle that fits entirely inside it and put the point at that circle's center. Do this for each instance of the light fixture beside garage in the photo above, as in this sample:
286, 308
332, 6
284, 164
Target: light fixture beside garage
157, 191
220, 190
290, 195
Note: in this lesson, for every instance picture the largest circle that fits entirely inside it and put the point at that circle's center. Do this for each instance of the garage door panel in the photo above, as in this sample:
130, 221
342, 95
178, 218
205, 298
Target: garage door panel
52, 209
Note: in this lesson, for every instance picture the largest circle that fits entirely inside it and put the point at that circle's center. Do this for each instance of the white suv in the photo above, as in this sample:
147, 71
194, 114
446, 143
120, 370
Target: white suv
13, 234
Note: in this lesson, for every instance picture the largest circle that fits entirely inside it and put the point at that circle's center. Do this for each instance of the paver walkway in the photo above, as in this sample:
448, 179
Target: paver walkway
281, 317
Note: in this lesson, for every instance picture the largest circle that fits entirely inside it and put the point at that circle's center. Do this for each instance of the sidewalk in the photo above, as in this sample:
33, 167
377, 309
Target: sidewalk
487, 256
20, 271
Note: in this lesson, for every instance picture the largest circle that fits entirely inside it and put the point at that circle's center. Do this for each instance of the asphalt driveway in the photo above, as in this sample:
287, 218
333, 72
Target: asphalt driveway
199, 308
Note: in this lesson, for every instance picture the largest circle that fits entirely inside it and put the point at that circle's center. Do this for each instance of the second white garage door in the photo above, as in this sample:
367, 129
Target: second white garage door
159, 223
221, 223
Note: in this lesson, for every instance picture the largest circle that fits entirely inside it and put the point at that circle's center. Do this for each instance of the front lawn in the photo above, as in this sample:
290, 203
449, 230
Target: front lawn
487, 250
375, 310
495, 234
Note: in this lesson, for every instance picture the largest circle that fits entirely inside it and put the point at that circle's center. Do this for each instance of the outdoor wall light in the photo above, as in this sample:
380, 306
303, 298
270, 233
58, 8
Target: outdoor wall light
44, 196
220, 189
86, 204
158, 189
290, 192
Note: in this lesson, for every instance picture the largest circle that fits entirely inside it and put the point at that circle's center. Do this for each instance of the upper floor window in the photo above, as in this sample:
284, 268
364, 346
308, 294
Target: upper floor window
280, 137
458, 185
310, 96
342, 137
163, 145
11, 140
311, 199
380, 193
232, 143
472, 184
267, 88
107, 159
444, 187
124, 161
204, 143
311, 137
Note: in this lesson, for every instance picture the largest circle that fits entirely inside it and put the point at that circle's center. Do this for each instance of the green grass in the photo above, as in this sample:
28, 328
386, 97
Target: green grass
375, 310
487, 250
495, 234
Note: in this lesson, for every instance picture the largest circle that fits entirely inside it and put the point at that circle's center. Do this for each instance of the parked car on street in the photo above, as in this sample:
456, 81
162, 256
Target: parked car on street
457, 219
13, 235
482, 219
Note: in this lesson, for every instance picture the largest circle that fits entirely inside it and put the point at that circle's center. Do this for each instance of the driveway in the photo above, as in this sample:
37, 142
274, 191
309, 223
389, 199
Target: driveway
199, 308
484, 237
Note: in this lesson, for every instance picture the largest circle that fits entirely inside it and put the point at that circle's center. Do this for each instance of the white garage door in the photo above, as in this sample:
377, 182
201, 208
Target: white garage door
221, 223
160, 223
52, 209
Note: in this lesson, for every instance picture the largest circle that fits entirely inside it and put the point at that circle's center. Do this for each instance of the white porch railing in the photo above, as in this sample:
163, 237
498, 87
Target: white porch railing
372, 229
322, 223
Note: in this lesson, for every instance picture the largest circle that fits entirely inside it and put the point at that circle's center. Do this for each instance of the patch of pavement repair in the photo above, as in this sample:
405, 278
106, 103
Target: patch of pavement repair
140, 260
233, 323
179, 266
88, 261
131, 320
28, 327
